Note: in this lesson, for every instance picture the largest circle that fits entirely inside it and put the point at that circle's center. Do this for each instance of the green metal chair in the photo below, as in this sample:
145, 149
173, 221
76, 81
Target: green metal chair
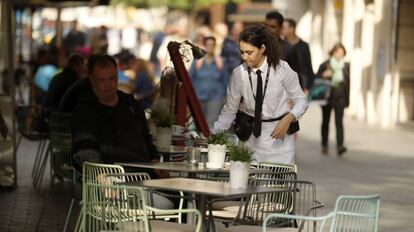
250, 210
98, 174
92, 173
125, 208
299, 198
31, 126
351, 213
60, 166
58, 123
114, 179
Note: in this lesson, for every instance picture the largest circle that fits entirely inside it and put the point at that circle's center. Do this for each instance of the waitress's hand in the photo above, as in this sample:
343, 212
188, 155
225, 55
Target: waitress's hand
281, 129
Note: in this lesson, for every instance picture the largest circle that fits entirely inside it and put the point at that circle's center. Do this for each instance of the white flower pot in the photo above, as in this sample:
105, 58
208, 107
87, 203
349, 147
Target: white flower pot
239, 174
216, 155
163, 137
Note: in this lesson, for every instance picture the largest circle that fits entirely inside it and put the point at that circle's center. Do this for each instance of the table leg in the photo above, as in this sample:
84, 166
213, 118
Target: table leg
201, 205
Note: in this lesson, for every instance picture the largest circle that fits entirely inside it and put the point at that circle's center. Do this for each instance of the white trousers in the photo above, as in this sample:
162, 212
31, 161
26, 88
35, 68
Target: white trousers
266, 148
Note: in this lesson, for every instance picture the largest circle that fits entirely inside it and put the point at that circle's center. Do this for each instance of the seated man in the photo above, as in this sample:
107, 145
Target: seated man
72, 72
109, 126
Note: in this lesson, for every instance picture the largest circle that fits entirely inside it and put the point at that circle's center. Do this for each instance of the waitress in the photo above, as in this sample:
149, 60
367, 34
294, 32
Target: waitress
265, 85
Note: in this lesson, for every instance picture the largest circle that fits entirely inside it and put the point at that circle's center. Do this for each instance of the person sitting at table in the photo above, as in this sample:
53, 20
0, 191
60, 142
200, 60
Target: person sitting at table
109, 125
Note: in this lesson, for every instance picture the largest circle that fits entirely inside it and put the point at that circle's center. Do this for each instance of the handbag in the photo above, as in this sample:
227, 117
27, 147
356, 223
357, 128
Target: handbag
243, 125
320, 91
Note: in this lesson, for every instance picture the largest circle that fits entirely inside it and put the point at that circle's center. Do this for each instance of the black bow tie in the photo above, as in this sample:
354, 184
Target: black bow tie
257, 127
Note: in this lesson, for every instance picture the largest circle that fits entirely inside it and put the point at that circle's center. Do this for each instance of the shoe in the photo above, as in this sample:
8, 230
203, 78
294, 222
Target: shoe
341, 150
325, 150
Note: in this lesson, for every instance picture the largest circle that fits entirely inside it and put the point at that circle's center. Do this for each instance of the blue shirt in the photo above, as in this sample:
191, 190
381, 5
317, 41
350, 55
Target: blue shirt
210, 82
44, 75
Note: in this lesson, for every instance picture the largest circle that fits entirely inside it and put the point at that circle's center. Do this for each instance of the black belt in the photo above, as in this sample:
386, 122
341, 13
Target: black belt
274, 119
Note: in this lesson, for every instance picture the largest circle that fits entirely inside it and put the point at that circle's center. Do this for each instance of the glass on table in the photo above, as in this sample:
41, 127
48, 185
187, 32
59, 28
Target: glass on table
193, 155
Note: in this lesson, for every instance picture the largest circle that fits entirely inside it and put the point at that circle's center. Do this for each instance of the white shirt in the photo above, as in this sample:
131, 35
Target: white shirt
283, 85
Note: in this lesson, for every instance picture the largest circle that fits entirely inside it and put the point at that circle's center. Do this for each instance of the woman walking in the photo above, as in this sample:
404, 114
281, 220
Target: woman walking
336, 70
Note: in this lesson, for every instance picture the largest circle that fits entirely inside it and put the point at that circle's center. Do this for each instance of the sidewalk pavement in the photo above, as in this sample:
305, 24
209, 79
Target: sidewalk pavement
378, 161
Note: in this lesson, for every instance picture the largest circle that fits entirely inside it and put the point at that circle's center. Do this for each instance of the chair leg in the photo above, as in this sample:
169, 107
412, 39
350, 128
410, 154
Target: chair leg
52, 180
39, 177
72, 202
39, 157
18, 143
43, 169
39, 153
79, 222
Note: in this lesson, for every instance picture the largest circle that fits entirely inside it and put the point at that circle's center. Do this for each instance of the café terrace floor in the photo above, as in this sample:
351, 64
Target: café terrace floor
377, 161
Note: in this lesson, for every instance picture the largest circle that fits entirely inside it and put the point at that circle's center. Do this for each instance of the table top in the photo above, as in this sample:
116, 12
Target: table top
185, 167
206, 187
178, 150
172, 166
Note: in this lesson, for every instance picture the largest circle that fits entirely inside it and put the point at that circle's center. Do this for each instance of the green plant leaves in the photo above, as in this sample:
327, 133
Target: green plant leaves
241, 153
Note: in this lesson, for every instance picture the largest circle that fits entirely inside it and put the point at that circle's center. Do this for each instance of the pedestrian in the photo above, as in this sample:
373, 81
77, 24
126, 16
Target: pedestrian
336, 70
274, 22
73, 71
209, 78
230, 48
144, 87
75, 38
265, 101
303, 53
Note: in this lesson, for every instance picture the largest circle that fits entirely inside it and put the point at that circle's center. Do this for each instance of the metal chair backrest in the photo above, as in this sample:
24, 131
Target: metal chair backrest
277, 167
111, 207
356, 213
61, 154
304, 203
60, 122
30, 122
260, 205
92, 172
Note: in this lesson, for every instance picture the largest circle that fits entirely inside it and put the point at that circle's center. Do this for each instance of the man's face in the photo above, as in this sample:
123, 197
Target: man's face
286, 30
105, 82
273, 26
251, 55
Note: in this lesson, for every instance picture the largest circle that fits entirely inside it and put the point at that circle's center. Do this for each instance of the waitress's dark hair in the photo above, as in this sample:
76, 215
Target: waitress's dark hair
259, 35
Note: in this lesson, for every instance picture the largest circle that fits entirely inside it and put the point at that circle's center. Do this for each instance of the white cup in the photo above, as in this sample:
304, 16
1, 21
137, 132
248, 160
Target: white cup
177, 129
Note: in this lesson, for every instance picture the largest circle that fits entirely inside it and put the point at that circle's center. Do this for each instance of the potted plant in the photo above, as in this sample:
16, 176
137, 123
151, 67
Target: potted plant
240, 158
217, 146
163, 121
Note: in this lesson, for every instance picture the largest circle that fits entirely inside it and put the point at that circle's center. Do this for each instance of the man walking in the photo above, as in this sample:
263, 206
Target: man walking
302, 51
274, 22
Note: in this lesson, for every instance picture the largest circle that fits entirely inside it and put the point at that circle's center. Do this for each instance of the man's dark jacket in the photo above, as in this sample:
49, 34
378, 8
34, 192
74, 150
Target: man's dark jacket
97, 137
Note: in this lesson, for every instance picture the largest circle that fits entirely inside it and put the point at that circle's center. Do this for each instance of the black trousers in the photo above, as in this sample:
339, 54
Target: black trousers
326, 115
